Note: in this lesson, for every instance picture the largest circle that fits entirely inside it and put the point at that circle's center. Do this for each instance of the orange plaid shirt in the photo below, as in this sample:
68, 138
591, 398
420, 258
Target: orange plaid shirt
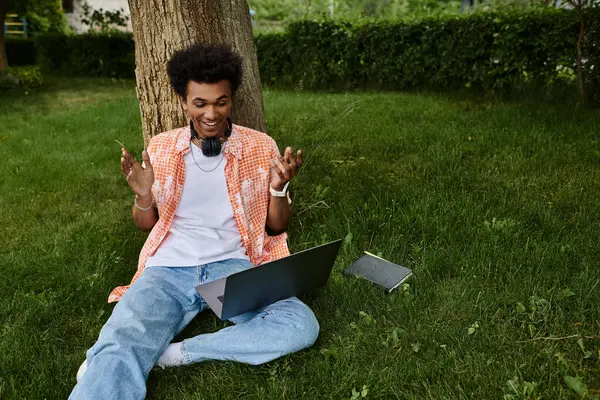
247, 174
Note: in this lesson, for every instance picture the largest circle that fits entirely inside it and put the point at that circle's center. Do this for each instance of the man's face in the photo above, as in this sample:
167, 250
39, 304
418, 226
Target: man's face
208, 105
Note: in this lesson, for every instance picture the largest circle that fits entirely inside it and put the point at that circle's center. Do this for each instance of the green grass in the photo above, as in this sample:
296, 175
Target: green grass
494, 206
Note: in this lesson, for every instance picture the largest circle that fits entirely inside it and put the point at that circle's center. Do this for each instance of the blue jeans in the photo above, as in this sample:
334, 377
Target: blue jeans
159, 304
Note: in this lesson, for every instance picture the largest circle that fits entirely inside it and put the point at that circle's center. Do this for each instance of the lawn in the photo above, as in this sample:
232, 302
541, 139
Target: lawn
493, 205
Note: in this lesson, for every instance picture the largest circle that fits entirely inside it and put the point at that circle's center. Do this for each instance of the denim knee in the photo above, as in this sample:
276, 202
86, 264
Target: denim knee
303, 328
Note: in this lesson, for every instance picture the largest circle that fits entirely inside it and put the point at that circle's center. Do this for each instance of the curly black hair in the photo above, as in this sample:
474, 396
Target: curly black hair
204, 64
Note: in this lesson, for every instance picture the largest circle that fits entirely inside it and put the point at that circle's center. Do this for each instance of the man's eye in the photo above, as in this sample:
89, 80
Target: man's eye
199, 105
222, 104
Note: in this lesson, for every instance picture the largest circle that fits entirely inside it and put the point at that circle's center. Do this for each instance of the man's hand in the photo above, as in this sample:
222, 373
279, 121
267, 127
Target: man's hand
285, 168
139, 178
282, 171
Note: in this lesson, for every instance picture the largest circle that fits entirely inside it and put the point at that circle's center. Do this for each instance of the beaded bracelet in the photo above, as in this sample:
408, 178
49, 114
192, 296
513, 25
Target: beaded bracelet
140, 208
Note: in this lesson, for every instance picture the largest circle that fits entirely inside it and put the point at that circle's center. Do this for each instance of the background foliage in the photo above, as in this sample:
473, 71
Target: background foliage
42, 15
110, 55
495, 51
489, 51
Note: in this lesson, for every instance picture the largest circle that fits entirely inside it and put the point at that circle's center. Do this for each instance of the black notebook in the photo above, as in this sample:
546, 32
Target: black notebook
379, 271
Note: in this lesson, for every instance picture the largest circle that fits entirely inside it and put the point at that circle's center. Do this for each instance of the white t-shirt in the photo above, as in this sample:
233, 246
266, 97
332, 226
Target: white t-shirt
203, 229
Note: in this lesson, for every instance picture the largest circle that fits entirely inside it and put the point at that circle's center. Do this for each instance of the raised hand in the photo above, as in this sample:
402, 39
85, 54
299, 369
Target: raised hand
285, 168
140, 178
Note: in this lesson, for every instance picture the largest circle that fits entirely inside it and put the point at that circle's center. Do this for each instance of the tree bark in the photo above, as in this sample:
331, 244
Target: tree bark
3, 58
160, 27
578, 4
580, 52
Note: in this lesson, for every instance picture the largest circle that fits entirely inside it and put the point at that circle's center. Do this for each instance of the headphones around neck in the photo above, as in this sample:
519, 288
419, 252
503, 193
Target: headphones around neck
211, 146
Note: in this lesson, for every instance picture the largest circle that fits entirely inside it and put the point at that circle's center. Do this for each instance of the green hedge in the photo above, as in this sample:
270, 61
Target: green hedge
487, 51
24, 77
20, 51
490, 51
88, 55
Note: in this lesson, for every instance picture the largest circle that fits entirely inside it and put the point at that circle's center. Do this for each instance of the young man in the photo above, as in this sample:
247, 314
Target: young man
214, 197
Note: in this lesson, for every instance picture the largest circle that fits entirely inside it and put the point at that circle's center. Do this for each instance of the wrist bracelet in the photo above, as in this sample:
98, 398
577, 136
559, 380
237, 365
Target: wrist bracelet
140, 208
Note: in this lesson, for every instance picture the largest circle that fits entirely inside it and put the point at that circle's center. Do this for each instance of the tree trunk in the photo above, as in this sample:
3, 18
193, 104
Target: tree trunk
580, 52
160, 27
3, 58
579, 4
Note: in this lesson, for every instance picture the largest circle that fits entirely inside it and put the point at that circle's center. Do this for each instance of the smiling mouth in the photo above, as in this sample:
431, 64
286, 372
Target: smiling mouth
210, 124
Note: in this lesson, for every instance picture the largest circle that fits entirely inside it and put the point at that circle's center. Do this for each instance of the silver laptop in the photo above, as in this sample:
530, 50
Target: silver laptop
263, 285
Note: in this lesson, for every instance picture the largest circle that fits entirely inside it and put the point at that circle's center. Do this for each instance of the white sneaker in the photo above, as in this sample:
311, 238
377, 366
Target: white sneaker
81, 370
172, 357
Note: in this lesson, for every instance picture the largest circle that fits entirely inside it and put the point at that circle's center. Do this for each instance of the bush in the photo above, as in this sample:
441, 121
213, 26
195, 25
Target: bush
8, 81
23, 77
311, 54
45, 17
20, 51
489, 51
90, 54
29, 77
